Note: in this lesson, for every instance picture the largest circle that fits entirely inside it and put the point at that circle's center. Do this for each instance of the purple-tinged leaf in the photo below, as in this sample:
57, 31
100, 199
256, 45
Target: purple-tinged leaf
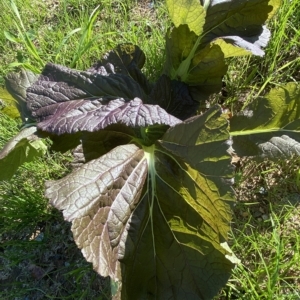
174, 223
174, 97
98, 198
69, 101
125, 59
84, 115
119, 60
59, 84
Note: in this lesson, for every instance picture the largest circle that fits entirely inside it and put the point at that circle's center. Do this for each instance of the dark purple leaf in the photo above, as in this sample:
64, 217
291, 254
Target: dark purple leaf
84, 115
174, 97
127, 59
59, 84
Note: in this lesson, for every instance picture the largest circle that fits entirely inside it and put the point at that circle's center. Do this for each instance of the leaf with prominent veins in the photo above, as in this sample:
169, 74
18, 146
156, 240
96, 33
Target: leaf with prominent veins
68, 101
92, 116
177, 231
188, 12
165, 206
229, 28
98, 198
277, 114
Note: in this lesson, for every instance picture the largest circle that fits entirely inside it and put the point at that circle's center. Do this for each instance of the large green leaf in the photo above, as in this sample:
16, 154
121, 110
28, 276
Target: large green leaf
23, 147
155, 217
17, 84
222, 29
205, 68
201, 143
275, 115
186, 214
187, 12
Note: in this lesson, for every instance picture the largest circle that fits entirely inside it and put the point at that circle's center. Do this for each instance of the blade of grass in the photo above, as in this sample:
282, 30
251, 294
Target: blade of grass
64, 41
24, 37
85, 40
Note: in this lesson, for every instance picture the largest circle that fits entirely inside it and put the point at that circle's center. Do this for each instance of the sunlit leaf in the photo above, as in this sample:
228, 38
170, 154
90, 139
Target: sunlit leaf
204, 36
275, 115
24, 147
187, 12
9, 103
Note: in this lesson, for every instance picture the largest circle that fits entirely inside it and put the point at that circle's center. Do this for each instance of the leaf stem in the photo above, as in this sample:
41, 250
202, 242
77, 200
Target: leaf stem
182, 71
256, 131
206, 4
149, 153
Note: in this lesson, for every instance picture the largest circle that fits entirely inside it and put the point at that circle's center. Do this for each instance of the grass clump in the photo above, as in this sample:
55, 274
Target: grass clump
77, 33
270, 268
265, 232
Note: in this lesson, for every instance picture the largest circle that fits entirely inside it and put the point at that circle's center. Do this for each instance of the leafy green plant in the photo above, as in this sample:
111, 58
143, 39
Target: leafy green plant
150, 204
142, 166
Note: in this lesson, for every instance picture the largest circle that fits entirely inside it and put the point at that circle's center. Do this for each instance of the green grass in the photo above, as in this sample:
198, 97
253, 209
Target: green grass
77, 33
249, 77
265, 232
270, 268
38, 258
